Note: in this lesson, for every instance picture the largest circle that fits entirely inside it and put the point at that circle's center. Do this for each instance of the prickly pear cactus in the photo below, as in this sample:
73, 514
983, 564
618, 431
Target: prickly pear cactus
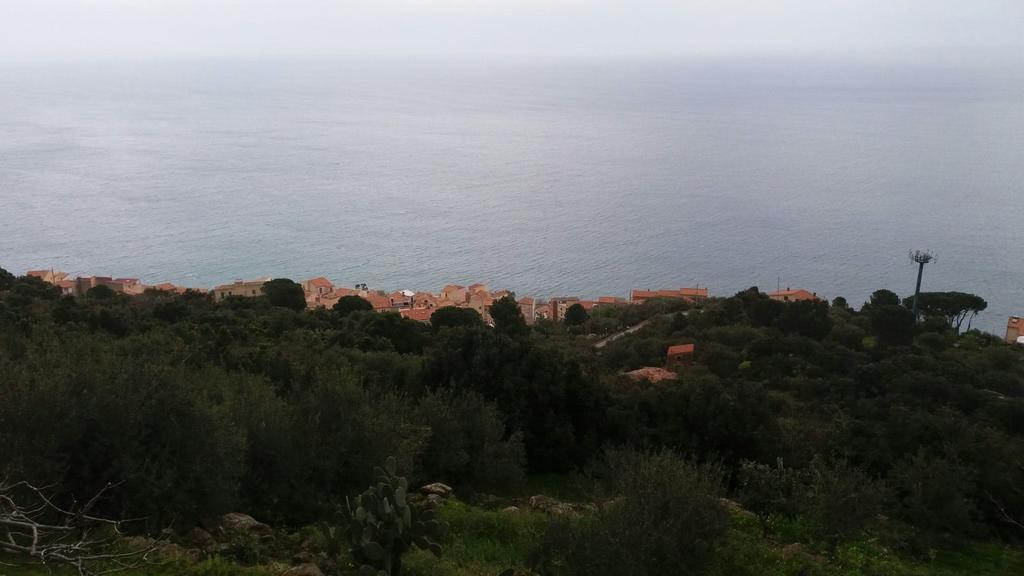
384, 525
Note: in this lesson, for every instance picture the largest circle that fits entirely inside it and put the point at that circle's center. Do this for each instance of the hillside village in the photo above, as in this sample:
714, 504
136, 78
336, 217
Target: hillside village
420, 306
415, 305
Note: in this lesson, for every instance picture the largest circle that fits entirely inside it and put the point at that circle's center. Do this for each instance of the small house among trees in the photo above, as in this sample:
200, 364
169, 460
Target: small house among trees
679, 356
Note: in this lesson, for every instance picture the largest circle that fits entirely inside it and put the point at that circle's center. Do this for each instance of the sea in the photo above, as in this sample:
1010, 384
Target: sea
548, 178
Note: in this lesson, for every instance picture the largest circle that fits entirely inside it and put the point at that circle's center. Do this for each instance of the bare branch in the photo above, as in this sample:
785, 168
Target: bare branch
35, 528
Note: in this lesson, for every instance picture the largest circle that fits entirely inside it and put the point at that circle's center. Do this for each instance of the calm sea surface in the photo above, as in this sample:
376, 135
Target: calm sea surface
549, 179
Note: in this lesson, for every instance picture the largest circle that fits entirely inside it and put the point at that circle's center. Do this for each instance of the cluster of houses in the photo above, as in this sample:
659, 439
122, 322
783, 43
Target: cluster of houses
323, 293
78, 286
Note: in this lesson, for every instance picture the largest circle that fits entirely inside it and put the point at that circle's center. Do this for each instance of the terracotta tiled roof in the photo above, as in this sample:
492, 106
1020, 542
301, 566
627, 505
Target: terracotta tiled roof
687, 294
417, 314
452, 288
341, 291
793, 295
379, 301
320, 282
680, 349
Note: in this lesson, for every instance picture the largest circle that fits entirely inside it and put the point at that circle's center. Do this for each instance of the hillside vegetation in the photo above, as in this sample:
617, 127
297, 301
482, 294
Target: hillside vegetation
807, 438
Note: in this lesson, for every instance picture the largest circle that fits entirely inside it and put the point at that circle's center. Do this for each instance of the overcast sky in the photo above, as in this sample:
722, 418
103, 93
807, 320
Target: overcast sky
104, 29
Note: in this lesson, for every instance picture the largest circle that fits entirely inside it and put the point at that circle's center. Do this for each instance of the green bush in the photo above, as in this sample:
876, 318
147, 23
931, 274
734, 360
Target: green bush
668, 521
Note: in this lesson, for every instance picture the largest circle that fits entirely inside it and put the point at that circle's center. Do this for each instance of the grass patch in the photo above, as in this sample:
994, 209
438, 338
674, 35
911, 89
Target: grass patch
479, 542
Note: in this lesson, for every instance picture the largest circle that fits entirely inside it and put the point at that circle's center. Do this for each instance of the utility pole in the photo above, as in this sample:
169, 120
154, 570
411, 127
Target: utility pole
921, 257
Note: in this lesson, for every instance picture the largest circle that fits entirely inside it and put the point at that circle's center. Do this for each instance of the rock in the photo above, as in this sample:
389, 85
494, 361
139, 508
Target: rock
307, 569
434, 500
510, 509
238, 522
437, 488
549, 505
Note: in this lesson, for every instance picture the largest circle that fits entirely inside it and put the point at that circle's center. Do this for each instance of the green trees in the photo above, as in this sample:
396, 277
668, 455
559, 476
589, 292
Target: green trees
892, 323
575, 315
953, 307
884, 297
840, 499
349, 304
202, 407
667, 522
100, 292
453, 317
508, 318
541, 392
6, 279
285, 293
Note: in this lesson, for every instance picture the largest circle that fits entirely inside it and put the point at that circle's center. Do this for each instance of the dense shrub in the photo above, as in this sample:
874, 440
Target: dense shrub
667, 521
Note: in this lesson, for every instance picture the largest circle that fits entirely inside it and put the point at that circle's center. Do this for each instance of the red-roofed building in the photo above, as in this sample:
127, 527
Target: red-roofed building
424, 300
401, 299
558, 306
242, 288
169, 287
417, 314
679, 356
48, 276
1014, 329
380, 302
528, 306
318, 286
691, 295
454, 294
67, 287
789, 295
331, 298
589, 305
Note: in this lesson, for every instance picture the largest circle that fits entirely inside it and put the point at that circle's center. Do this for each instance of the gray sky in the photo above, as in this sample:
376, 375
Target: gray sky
102, 29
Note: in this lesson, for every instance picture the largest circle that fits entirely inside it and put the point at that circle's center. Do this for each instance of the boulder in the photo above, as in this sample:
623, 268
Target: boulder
437, 488
238, 522
549, 505
434, 500
510, 509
